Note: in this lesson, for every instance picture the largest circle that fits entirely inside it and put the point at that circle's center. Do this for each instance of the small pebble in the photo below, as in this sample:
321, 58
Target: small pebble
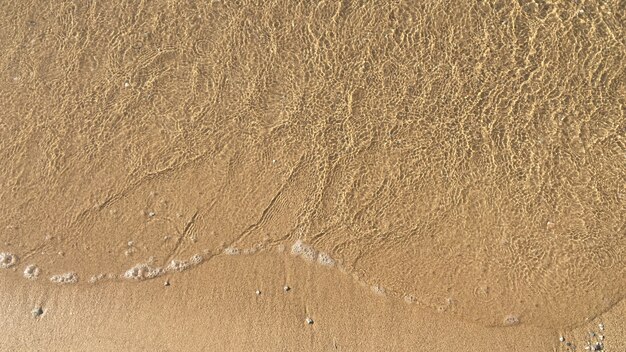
286, 288
601, 326
37, 312
562, 339
167, 283
258, 292
309, 321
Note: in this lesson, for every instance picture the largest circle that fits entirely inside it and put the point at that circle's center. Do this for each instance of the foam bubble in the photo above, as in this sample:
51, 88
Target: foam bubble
177, 265
249, 251
410, 299
379, 290
67, 278
31, 272
324, 259
96, 278
511, 319
300, 249
142, 272
180, 265
7, 260
231, 251
196, 259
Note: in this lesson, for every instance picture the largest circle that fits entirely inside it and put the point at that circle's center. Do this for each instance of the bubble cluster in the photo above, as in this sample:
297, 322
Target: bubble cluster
511, 320
7, 260
143, 272
66, 278
306, 252
177, 265
379, 290
324, 259
32, 272
410, 299
180, 265
231, 251
96, 278
248, 251
196, 259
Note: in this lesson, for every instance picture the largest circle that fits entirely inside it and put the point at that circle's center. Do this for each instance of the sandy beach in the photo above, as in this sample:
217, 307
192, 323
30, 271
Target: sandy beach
313, 176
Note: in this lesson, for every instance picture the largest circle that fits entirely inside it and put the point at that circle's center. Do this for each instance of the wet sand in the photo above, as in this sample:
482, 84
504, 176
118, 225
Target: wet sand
216, 307
421, 175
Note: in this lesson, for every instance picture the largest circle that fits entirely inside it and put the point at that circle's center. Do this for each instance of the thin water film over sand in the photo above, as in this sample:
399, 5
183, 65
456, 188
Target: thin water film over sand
468, 156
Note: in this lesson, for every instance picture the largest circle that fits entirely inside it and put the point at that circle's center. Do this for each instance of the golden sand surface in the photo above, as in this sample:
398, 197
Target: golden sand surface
422, 175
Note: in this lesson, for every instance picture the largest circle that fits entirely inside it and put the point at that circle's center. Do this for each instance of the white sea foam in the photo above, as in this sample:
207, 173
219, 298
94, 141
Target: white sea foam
180, 265
196, 259
324, 259
32, 272
142, 272
231, 251
379, 290
303, 250
248, 251
309, 253
7, 260
177, 265
66, 278
410, 299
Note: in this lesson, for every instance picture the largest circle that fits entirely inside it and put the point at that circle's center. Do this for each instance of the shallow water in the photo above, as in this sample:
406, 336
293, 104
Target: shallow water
469, 155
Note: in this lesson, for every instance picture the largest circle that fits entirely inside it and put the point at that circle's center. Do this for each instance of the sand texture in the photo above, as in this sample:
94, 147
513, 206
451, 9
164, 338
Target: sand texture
313, 175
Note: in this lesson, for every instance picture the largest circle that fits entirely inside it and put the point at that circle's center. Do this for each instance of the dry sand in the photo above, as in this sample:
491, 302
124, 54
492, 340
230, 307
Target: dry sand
421, 176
